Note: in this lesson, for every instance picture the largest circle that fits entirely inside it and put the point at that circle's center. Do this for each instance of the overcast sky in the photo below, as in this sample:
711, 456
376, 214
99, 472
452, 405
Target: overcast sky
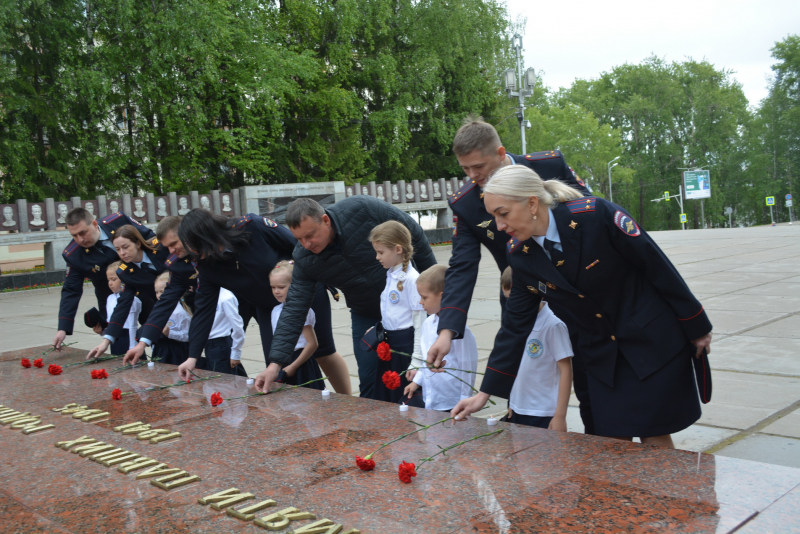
571, 39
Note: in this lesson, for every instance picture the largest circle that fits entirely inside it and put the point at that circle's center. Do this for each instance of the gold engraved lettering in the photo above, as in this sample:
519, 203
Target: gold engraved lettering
236, 499
81, 440
157, 471
70, 405
108, 462
19, 423
352, 531
129, 425
73, 410
135, 429
14, 417
323, 526
152, 433
139, 463
175, 483
93, 417
248, 512
32, 429
92, 449
106, 454
84, 413
166, 437
219, 496
280, 520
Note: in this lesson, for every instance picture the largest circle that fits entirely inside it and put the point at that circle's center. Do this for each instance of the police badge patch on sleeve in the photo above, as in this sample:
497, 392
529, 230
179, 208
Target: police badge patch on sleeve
626, 224
269, 222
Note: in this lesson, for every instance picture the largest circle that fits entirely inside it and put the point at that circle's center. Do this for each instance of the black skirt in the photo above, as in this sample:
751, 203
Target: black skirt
121, 344
398, 340
308, 371
171, 351
663, 403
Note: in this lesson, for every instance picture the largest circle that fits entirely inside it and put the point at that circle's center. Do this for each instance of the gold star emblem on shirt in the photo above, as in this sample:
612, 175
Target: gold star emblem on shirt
560, 263
573, 225
525, 249
485, 224
481, 195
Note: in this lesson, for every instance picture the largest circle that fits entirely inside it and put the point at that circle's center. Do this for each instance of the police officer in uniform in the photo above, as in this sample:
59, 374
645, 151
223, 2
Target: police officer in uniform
182, 284
640, 328
87, 256
479, 152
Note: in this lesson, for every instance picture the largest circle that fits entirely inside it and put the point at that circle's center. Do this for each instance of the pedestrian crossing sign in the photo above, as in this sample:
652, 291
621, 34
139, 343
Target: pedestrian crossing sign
770, 201
683, 217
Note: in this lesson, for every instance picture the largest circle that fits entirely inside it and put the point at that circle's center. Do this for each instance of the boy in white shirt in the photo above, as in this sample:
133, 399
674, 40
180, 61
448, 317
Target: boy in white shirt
540, 394
224, 348
441, 391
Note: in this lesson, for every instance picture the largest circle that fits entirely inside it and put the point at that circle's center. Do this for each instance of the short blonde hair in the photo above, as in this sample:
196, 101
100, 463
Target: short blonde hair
285, 266
505, 279
433, 278
113, 266
518, 183
475, 134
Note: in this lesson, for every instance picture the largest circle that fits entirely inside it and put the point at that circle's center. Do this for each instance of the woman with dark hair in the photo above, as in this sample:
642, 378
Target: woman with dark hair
238, 255
142, 262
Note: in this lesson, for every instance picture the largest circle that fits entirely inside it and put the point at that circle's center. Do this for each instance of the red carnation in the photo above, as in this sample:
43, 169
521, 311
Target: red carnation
384, 351
391, 379
93, 373
365, 464
406, 471
26, 363
38, 363
99, 373
54, 369
216, 399
116, 394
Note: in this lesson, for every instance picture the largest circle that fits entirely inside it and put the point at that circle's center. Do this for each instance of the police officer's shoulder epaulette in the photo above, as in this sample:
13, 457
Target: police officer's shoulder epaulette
581, 205
122, 268
466, 188
548, 154
109, 218
240, 222
172, 259
512, 245
154, 242
72, 247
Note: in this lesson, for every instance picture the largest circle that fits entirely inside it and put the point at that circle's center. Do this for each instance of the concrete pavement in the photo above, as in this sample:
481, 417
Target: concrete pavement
748, 280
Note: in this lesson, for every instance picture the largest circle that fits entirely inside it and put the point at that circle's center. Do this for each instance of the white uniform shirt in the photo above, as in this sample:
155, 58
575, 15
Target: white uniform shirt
397, 306
311, 320
179, 323
442, 391
131, 320
535, 390
228, 322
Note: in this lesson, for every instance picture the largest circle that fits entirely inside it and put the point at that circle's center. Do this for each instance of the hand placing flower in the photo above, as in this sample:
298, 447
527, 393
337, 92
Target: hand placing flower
38, 363
391, 379
384, 351
26, 363
365, 464
405, 471
116, 394
216, 399
54, 369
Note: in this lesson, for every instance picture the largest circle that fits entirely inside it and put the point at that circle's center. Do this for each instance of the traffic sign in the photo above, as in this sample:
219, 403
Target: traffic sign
788, 203
666, 195
770, 201
728, 210
683, 217
788, 196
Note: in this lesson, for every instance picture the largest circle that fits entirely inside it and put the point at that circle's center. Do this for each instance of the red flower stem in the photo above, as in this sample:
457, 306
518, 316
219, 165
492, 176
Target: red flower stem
277, 390
422, 427
48, 351
93, 360
467, 383
140, 364
176, 384
453, 446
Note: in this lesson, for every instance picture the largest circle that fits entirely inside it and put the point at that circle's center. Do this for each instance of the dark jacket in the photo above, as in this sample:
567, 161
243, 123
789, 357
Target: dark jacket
182, 277
622, 292
91, 263
475, 227
348, 264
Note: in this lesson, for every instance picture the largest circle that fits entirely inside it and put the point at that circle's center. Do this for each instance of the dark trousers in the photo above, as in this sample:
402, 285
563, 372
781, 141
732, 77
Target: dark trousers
218, 357
367, 361
528, 420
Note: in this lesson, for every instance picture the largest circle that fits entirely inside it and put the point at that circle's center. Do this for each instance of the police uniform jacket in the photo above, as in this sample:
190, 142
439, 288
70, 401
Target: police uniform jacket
244, 273
139, 282
475, 227
621, 291
182, 277
91, 263
348, 263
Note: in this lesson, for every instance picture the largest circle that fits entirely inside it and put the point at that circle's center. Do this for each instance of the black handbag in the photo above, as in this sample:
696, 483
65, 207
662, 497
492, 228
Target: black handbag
702, 373
374, 337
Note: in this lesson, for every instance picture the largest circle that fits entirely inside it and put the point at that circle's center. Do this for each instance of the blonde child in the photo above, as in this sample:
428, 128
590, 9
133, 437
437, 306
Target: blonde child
540, 394
402, 314
127, 339
441, 391
303, 367
173, 347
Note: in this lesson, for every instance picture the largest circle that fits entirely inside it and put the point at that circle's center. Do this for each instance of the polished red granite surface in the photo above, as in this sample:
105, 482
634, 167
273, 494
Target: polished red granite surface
298, 449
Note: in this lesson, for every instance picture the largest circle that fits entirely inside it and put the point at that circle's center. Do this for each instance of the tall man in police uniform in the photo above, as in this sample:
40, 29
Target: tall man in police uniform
480, 153
88, 254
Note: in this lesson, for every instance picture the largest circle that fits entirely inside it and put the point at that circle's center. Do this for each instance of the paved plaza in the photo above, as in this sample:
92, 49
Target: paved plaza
747, 279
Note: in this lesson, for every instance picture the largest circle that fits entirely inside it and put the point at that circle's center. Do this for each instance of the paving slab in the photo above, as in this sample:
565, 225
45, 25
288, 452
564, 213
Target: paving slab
788, 425
778, 450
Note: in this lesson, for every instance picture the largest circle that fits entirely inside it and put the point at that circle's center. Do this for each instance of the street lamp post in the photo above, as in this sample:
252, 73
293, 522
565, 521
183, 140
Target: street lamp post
522, 90
610, 166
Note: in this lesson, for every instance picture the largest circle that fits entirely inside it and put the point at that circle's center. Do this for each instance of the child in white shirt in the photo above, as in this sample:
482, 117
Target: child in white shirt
127, 339
173, 347
540, 394
401, 313
224, 348
303, 367
441, 391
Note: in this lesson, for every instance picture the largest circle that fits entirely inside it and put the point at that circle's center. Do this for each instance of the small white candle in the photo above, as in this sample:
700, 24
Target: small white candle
251, 381
326, 393
404, 407
151, 364
491, 421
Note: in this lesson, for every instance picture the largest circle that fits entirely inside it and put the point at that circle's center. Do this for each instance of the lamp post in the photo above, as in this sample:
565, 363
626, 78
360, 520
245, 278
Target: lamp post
610, 166
522, 90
